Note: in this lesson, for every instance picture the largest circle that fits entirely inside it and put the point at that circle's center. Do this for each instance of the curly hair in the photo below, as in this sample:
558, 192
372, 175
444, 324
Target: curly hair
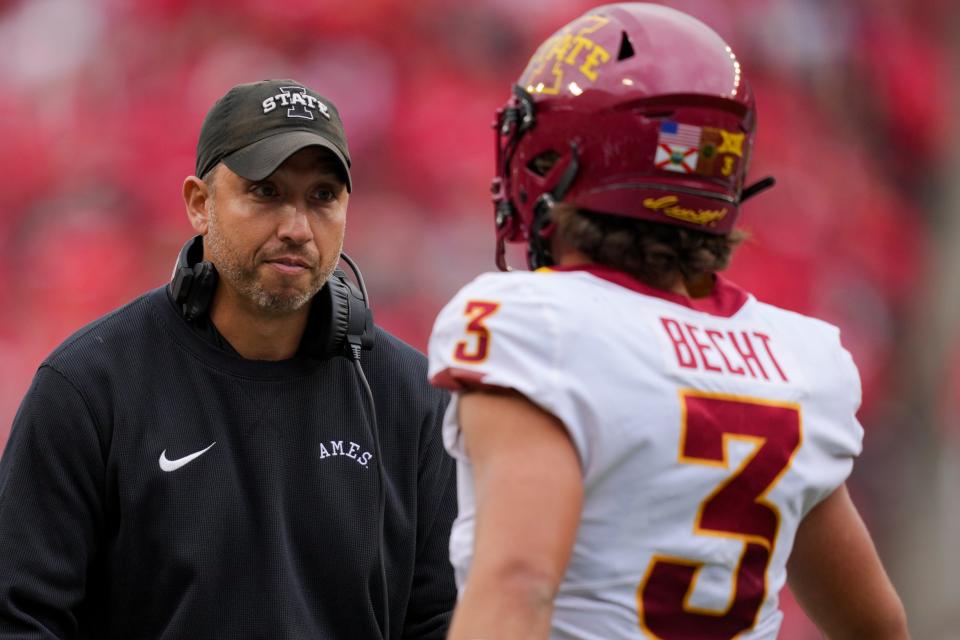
656, 254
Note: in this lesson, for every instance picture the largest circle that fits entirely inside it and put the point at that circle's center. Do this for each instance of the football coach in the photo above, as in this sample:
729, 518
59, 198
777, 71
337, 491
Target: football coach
240, 453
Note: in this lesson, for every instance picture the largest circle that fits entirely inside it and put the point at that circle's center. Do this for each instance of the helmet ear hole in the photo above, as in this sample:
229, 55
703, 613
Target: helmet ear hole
543, 162
626, 47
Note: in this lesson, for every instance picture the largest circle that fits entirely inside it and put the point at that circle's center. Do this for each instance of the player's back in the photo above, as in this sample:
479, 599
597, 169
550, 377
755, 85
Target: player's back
705, 435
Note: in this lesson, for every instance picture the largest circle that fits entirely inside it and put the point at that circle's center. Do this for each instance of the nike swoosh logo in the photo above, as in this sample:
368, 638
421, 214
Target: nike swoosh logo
173, 465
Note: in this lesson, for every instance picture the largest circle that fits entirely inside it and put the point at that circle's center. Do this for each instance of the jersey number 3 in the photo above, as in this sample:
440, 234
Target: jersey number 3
477, 311
736, 509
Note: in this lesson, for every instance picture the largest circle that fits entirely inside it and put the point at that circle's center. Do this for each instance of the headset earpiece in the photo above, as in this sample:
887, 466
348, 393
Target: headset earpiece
340, 307
330, 317
194, 280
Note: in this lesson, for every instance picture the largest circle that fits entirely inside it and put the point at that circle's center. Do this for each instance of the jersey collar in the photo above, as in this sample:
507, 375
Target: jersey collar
725, 300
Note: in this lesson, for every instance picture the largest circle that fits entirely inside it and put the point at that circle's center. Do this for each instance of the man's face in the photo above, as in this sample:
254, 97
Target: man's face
275, 242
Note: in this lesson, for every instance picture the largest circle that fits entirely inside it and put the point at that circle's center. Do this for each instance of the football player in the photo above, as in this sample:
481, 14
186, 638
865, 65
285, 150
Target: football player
644, 449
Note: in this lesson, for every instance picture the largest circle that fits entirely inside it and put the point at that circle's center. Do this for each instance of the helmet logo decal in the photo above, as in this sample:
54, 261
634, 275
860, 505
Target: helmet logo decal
706, 151
732, 143
567, 49
668, 205
678, 147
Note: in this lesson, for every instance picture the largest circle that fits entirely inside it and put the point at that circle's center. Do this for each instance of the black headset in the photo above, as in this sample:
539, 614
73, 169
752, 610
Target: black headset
340, 318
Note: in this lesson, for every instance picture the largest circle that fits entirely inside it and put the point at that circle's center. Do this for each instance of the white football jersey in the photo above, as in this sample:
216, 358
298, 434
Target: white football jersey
706, 430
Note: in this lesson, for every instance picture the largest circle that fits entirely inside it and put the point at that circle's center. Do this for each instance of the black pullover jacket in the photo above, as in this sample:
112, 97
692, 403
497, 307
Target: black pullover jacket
156, 486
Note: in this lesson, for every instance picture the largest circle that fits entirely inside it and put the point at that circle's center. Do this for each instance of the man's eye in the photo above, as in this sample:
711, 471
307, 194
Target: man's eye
263, 190
324, 195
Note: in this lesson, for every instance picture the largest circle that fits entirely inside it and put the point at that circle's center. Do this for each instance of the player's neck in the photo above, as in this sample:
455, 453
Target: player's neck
700, 286
254, 333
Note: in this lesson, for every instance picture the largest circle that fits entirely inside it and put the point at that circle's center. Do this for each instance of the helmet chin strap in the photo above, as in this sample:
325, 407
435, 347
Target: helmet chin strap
760, 185
538, 246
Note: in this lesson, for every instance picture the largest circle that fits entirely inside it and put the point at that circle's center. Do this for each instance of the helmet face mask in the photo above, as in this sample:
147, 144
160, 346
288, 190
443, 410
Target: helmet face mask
632, 109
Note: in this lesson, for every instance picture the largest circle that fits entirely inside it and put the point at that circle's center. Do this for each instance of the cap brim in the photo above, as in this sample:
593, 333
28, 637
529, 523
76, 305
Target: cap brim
258, 160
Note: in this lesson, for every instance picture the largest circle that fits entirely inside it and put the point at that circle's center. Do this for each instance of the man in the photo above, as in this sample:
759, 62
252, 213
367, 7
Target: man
644, 448
205, 462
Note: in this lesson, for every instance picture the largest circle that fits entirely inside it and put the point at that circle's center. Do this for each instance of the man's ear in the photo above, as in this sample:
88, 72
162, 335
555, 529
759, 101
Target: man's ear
198, 199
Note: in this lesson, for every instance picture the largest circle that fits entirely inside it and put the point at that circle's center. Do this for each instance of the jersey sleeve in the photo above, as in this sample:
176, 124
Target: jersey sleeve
501, 331
842, 439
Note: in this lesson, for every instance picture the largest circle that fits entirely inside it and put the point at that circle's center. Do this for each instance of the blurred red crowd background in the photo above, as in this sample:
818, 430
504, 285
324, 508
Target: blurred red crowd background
102, 102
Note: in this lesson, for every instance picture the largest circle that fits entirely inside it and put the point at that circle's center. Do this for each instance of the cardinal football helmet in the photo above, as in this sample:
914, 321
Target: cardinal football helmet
633, 109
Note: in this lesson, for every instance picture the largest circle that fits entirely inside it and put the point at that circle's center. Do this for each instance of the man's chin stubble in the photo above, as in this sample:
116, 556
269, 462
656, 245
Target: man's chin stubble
282, 304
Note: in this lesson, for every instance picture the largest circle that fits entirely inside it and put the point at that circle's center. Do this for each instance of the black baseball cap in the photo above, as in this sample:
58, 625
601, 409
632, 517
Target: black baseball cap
254, 127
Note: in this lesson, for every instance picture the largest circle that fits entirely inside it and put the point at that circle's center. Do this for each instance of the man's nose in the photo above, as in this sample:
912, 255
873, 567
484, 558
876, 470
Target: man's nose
295, 224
